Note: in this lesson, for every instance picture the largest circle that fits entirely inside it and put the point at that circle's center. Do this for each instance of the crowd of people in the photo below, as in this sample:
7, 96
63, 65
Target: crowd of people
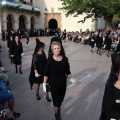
101, 38
53, 71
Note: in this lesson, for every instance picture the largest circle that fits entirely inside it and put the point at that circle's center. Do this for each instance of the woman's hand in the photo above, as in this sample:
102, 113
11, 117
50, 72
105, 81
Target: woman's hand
69, 76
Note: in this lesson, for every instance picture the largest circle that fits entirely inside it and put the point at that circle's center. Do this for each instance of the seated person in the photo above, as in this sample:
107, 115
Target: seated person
6, 114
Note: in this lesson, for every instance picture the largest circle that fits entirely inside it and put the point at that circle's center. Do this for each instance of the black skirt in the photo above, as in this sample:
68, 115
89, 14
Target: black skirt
17, 60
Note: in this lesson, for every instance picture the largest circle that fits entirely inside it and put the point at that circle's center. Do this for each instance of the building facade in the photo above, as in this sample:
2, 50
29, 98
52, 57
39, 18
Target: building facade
51, 16
19, 14
30, 14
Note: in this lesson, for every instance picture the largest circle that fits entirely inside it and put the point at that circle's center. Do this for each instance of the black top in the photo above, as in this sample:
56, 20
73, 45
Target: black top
17, 49
112, 108
99, 41
38, 63
108, 43
10, 45
57, 72
115, 68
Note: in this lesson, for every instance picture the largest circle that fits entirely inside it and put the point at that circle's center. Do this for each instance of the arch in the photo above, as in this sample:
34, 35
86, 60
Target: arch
22, 22
53, 24
10, 22
32, 21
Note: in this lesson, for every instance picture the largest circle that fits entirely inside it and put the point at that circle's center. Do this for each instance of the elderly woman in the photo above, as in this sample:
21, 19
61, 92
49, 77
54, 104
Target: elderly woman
57, 70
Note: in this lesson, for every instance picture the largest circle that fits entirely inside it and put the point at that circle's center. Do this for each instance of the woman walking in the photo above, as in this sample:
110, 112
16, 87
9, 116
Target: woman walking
17, 53
37, 68
57, 70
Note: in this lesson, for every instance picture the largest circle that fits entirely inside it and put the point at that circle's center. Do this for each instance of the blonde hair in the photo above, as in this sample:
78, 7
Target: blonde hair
55, 43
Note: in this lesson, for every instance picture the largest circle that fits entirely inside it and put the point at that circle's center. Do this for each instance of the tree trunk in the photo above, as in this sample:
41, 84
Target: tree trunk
108, 25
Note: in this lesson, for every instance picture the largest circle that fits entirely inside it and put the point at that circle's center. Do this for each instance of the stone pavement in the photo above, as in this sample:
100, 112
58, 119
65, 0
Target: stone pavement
82, 101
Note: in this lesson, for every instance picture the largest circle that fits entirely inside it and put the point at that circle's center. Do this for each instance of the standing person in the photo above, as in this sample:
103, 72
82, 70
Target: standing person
64, 35
27, 37
10, 44
17, 53
92, 41
37, 68
57, 70
99, 42
110, 104
108, 43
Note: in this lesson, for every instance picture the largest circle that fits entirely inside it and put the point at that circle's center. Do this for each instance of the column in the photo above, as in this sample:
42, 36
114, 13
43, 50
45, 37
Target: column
16, 25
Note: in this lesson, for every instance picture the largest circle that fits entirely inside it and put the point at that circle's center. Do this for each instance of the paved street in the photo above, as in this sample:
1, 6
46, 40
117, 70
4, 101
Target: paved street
82, 101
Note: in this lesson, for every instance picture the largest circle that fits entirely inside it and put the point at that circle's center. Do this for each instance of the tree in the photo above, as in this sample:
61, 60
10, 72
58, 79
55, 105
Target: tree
93, 8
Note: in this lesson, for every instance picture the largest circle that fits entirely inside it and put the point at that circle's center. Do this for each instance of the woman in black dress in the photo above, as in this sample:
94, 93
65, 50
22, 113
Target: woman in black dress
99, 42
92, 41
110, 105
57, 70
108, 43
10, 44
37, 68
17, 53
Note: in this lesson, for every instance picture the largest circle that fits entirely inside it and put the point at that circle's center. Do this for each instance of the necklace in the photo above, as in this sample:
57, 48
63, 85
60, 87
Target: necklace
58, 58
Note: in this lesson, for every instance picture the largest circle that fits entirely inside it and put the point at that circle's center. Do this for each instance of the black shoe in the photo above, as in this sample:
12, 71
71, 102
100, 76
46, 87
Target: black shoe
16, 115
38, 96
57, 117
16, 71
20, 72
48, 99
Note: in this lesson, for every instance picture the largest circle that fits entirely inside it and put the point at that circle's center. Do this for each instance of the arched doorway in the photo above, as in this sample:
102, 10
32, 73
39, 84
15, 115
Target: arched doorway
32, 22
22, 22
10, 21
53, 24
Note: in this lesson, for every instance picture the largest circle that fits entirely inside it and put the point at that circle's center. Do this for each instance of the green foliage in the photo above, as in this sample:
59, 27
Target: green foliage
93, 8
116, 20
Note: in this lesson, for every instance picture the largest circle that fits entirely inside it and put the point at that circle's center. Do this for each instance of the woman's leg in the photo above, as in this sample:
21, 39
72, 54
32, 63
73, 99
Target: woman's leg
9, 114
16, 68
37, 86
57, 113
20, 69
47, 93
11, 104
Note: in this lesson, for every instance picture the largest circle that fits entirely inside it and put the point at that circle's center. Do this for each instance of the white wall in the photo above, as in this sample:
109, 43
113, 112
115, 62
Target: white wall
68, 23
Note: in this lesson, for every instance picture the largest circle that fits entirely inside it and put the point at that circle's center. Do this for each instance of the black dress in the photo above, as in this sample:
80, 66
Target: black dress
92, 41
108, 43
17, 50
115, 58
56, 71
99, 41
112, 108
38, 63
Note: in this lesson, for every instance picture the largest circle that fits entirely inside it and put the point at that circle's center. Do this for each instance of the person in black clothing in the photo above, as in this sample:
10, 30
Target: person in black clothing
57, 39
37, 68
57, 70
92, 41
108, 43
10, 44
17, 53
27, 37
99, 42
110, 105
64, 35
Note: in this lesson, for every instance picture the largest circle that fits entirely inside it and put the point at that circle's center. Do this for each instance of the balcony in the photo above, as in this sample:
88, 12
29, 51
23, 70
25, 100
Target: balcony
19, 6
